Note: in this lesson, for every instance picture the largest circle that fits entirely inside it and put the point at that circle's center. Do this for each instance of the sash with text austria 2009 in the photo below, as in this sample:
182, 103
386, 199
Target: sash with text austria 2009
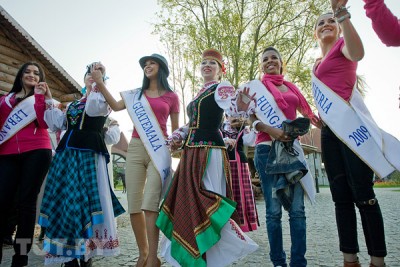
353, 124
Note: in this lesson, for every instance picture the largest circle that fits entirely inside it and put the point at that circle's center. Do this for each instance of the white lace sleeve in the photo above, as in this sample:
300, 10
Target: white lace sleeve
226, 97
96, 104
56, 119
112, 135
249, 136
179, 134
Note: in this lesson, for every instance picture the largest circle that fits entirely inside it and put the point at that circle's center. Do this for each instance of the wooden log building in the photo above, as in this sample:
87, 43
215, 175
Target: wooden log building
18, 47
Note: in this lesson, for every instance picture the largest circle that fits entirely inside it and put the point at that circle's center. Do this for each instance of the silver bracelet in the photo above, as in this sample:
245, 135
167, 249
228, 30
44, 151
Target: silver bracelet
254, 124
342, 18
338, 10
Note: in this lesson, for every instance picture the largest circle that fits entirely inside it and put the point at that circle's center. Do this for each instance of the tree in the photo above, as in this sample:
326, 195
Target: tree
240, 29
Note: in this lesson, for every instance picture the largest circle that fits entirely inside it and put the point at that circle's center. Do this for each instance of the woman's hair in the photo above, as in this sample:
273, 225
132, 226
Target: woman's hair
88, 71
162, 81
323, 14
361, 85
271, 48
18, 84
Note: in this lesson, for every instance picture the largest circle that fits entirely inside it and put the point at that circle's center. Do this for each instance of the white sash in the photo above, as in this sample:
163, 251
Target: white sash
150, 133
21, 115
269, 113
353, 125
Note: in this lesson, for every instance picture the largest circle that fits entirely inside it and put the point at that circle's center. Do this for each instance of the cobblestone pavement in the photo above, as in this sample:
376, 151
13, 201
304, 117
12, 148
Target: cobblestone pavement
322, 240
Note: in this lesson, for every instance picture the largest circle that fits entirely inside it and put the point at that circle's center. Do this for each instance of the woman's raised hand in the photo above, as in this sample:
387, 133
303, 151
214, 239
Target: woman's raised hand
43, 89
279, 134
97, 70
335, 4
244, 99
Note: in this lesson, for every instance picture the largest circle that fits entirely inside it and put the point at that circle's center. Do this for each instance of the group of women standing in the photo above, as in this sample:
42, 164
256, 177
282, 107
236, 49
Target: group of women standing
200, 222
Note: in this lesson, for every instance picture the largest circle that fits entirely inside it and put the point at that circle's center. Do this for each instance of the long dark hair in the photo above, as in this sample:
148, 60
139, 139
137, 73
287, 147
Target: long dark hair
18, 84
162, 80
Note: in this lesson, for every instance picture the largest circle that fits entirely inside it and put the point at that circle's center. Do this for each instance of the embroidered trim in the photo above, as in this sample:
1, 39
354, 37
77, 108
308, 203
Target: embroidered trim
75, 111
205, 143
226, 91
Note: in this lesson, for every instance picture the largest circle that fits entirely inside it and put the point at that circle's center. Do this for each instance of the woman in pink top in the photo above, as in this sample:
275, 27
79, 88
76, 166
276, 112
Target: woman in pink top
350, 178
143, 181
385, 24
25, 154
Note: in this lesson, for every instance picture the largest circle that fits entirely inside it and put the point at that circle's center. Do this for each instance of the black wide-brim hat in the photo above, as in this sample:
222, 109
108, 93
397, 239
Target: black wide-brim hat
158, 58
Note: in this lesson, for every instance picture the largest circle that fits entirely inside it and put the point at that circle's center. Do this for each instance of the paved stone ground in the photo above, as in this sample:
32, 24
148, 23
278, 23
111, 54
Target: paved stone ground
322, 240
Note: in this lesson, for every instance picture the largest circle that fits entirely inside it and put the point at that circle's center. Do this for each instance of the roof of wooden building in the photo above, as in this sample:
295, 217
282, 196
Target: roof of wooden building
18, 47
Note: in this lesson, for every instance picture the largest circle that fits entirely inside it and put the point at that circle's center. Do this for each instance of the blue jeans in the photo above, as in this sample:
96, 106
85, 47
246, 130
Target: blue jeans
350, 181
297, 218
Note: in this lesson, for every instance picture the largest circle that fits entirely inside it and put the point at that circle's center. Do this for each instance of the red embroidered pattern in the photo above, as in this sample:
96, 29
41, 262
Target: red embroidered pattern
237, 230
102, 243
49, 105
226, 91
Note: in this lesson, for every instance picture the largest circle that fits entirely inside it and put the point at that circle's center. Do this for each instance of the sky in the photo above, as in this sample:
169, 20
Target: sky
118, 33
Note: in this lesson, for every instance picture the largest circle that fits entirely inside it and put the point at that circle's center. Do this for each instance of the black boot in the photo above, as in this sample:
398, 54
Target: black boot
73, 263
86, 263
19, 261
8, 240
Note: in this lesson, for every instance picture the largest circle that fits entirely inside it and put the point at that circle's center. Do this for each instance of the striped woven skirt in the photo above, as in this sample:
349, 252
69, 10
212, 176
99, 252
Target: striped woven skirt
196, 215
79, 208
243, 195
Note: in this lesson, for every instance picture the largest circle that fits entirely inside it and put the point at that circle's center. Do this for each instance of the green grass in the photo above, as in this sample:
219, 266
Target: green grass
118, 187
376, 185
386, 184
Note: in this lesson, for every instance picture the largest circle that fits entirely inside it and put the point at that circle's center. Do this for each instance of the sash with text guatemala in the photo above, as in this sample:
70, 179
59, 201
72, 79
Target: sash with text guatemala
146, 124
353, 124
269, 113
22, 114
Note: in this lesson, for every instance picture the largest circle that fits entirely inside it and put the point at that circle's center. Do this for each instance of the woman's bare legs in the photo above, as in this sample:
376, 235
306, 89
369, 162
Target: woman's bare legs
138, 223
153, 234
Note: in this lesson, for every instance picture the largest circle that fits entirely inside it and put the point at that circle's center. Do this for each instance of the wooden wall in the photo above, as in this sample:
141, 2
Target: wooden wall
13, 56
